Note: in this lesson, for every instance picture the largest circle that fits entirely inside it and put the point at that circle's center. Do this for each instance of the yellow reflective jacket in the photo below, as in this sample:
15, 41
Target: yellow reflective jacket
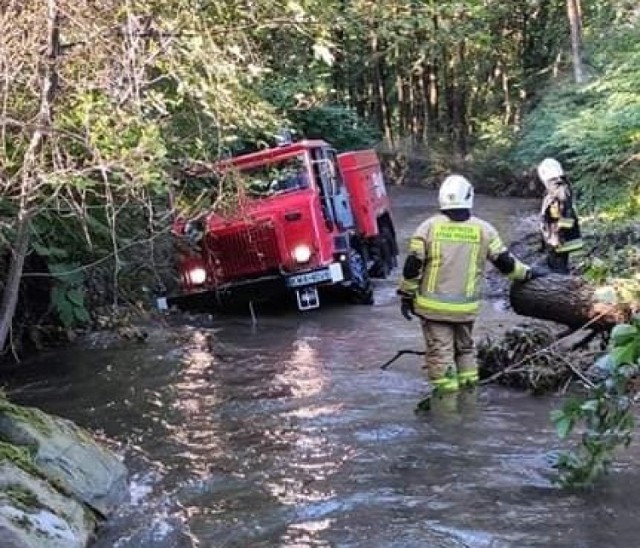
453, 256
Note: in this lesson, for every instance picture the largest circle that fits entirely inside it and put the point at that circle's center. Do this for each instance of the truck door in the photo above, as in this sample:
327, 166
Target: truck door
337, 207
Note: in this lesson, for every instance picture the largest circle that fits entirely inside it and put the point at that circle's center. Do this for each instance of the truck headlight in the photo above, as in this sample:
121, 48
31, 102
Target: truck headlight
302, 253
198, 275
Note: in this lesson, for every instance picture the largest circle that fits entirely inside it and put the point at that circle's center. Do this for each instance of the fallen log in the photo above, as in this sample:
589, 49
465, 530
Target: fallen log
566, 300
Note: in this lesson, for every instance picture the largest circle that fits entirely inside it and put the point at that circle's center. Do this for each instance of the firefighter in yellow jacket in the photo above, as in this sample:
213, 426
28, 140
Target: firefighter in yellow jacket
442, 283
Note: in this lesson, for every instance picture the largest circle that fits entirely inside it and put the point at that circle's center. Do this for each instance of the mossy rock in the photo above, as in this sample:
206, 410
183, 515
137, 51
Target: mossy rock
66, 455
35, 514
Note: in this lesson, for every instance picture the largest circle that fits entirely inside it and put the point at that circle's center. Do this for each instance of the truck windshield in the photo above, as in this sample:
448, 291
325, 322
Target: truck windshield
274, 178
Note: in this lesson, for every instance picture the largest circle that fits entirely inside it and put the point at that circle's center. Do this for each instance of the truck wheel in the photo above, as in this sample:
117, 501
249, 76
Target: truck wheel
388, 247
386, 260
360, 290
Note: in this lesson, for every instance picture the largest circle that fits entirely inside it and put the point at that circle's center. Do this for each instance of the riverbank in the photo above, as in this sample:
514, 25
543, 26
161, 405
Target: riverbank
57, 484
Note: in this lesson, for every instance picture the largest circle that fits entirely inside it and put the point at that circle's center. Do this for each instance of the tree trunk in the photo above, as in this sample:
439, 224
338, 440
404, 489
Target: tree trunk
29, 173
401, 106
566, 300
379, 92
506, 90
574, 12
433, 74
460, 126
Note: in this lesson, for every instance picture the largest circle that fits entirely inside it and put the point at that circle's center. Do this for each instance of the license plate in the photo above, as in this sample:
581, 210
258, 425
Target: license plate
310, 278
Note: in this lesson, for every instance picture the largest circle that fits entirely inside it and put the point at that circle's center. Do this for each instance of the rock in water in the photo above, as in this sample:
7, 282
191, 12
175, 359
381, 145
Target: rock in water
67, 456
35, 514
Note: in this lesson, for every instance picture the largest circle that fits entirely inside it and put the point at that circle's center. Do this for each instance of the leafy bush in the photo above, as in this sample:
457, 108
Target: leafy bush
606, 411
612, 251
67, 291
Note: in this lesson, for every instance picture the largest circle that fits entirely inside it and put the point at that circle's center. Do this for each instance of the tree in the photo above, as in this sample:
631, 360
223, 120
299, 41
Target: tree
29, 172
574, 12
137, 92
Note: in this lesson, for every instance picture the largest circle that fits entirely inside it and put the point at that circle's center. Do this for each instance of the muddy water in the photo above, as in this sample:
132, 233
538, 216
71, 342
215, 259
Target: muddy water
288, 434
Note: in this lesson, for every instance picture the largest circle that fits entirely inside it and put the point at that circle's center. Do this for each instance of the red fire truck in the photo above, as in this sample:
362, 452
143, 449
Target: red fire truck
306, 217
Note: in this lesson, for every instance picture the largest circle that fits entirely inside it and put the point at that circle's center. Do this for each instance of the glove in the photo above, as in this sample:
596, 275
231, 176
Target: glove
406, 308
537, 271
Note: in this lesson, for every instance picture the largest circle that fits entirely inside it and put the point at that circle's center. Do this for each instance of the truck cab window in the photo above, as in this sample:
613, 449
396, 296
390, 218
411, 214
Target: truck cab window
285, 175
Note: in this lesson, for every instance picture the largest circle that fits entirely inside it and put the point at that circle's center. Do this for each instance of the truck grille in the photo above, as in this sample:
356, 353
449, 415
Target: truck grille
243, 252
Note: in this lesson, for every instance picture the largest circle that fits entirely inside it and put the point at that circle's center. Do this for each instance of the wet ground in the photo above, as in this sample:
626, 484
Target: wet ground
287, 433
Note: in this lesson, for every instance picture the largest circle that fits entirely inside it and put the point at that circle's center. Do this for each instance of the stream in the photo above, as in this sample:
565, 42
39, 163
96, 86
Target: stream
287, 433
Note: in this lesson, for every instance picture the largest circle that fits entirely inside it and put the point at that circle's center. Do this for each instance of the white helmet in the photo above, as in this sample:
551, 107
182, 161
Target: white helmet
456, 193
548, 170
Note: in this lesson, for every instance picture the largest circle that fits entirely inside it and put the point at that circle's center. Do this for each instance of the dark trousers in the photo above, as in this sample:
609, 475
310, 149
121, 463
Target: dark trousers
558, 262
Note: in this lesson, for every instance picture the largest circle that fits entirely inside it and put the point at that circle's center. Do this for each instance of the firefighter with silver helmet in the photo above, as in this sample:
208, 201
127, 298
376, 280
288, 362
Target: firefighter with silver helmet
559, 221
442, 283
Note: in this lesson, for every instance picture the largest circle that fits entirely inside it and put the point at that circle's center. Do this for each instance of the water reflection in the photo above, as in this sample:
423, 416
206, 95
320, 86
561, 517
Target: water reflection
287, 459
307, 533
195, 398
302, 372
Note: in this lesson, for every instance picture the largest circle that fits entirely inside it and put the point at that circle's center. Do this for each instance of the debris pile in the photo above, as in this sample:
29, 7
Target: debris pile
528, 358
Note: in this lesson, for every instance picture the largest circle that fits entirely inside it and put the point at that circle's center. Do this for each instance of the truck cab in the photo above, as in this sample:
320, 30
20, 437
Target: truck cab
303, 216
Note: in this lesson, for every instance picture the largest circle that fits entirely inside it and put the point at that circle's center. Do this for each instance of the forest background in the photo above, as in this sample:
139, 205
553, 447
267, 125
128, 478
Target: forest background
104, 106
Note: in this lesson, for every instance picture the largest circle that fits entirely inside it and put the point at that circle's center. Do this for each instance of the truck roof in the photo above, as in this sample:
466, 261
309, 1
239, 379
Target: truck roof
243, 161
270, 154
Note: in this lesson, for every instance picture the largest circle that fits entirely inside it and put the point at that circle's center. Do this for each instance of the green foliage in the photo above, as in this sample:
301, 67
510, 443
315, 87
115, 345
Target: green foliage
593, 129
310, 109
605, 412
612, 251
67, 294
597, 271
617, 263
336, 124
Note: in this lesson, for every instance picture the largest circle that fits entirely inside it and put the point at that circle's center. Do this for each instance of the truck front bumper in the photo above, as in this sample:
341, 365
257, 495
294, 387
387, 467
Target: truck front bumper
333, 273
256, 288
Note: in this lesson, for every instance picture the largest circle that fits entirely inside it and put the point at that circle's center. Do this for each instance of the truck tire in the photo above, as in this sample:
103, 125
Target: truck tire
360, 290
386, 259
390, 237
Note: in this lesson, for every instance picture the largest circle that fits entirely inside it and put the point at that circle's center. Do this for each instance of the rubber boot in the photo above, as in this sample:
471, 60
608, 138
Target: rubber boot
468, 378
444, 390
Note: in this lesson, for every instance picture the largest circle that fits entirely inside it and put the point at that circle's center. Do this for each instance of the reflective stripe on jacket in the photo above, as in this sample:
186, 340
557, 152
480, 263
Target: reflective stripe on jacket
453, 255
